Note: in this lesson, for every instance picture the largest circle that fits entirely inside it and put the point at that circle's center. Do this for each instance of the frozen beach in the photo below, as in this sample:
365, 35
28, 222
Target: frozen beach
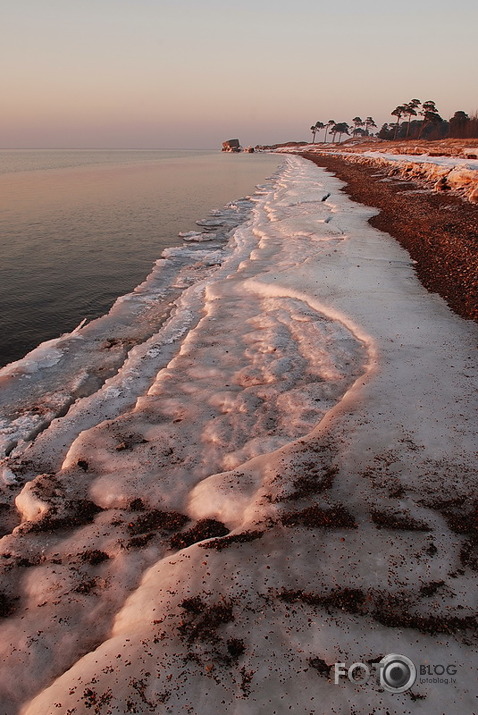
281, 476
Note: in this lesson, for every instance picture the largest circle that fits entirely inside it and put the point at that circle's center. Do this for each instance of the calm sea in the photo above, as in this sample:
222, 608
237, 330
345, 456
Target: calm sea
80, 228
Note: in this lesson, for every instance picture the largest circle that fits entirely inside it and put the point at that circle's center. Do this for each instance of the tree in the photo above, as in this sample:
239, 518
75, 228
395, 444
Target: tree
385, 131
319, 126
430, 116
459, 123
329, 124
340, 128
343, 129
369, 123
316, 128
411, 110
358, 123
398, 112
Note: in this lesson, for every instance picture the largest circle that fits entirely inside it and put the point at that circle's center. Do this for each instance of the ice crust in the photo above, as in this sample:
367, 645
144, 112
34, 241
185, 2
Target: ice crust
303, 366
46, 382
440, 173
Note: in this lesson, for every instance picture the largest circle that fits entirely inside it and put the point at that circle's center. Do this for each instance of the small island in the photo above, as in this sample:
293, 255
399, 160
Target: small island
233, 145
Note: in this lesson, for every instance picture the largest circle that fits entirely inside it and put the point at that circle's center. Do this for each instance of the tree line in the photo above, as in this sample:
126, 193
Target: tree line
360, 128
430, 126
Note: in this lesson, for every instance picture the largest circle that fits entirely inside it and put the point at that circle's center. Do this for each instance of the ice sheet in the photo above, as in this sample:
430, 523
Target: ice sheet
440, 173
46, 382
291, 488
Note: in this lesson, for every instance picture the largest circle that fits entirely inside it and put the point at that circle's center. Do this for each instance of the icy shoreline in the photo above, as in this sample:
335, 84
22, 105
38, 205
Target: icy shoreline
306, 416
45, 383
435, 171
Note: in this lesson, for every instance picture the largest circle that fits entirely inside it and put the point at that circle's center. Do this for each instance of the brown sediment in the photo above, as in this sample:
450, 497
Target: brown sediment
439, 230
204, 529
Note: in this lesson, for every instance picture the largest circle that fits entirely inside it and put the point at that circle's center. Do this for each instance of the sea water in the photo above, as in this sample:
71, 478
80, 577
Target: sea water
80, 228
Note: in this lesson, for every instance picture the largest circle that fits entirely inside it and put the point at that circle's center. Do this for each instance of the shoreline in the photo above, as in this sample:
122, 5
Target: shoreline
300, 406
438, 230
137, 209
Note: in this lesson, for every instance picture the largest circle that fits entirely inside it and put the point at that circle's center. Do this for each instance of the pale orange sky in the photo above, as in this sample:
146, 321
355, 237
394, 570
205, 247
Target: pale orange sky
178, 73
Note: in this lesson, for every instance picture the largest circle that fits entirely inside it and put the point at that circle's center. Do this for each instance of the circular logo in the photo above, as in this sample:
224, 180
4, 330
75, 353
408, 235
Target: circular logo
397, 673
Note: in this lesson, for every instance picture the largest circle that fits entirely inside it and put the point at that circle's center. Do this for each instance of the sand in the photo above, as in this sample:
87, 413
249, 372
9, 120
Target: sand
439, 230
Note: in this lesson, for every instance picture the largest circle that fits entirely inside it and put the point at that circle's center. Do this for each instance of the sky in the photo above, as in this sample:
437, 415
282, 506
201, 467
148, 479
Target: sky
191, 74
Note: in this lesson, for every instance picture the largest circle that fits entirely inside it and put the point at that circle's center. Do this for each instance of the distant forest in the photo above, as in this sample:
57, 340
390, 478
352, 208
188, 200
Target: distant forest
406, 126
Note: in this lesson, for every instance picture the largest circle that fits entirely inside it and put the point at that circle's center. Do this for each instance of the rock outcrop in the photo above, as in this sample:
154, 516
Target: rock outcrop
231, 145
